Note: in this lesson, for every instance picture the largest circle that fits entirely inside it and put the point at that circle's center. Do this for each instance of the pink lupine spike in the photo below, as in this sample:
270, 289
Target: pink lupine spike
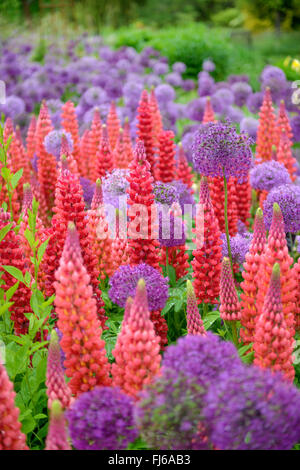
137, 348
282, 122
105, 160
285, 155
30, 138
70, 124
230, 308
113, 125
183, 170
209, 115
194, 321
11, 437
251, 280
27, 197
98, 196
273, 345
86, 362
57, 389
65, 152
57, 438
266, 129
94, 143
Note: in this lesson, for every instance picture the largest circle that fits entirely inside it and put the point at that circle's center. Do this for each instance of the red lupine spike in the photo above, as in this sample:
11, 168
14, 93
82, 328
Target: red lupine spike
137, 348
11, 436
19, 161
57, 389
296, 275
208, 253
178, 258
157, 126
119, 247
11, 254
69, 206
266, 129
8, 129
105, 160
86, 362
285, 155
276, 251
127, 142
70, 124
209, 115
273, 345
143, 248
160, 327
31, 138
40, 197
47, 173
216, 187
183, 170
113, 125
84, 153
100, 237
71, 163
230, 309
145, 129
194, 321
166, 161
57, 438
120, 152
243, 200
251, 280
282, 122
93, 144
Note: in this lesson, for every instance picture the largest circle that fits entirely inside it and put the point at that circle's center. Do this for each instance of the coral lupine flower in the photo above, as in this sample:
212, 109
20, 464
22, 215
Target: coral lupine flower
11, 253
183, 170
105, 160
86, 362
284, 154
30, 138
145, 129
57, 389
137, 348
251, 280
11, 437
142, 248
208, 253
243, 201
209, 115
273, 344
127, 142
47, 173
165, 168
84, 148
276, 251
119, 153
67, 155
157, 126
93, 144
119, 247
57, 438
70, 124
217, 195
230, 308
266, 129
282, 122
296, 275
194, 321
113, 125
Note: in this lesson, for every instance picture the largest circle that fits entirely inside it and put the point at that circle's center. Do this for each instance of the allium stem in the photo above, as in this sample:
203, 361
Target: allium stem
226, 220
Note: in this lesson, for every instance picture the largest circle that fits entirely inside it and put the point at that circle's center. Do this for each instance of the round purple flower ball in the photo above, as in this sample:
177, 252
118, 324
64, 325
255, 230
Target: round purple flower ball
295, 125
218, 150
239, 245
241, 91
13, 107
124, 281
268, 175
52, 142
287, 197
165, 193
250, 126
208, 65
253, 409
179, 67
255, 101
102, 419
164, 93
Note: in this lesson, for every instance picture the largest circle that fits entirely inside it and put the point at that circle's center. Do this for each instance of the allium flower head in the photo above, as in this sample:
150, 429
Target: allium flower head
249, 125
164, 93
254, 101
268, 175
208, 65
102, 419
287, 196
52, 142
239, 246
179, 67
13, 107
165, 193
253, 409
217, 147
241, 91
124, 282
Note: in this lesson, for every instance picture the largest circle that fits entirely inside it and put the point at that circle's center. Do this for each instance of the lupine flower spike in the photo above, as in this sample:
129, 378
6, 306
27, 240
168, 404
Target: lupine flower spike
230, 308
266, 129
284, 154
282, 122
57, 438
209, 115
57, 389
86, 362
183, 170
165, 170
137, 348
113, 125
30, 139
194, 321
273, 344
93, 144
145, 129
70, 124
105, 160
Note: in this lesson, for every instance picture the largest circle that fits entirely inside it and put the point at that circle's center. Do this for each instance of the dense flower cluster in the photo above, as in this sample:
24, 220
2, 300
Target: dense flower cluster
268, 175
287, 196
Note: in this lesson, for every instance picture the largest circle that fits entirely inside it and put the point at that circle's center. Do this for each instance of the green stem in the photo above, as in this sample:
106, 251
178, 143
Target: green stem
234, 333
205, 309
226, 220
167, 263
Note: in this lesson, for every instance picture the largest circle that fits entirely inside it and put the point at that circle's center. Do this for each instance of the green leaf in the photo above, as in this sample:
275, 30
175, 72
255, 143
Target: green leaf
4, 206
28, 425
244, 348
40, 416
4, 231
42, 250
27, 278
210, 319
29, 237
14, 272
172, 275
5, 307
16, 178
11, 291
6, 174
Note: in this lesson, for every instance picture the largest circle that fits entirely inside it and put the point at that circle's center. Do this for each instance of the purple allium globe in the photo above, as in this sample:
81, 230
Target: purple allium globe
164, 93
102, 419
114, 186
165, 193
88, 190
241, 91
287, 197
295, 125
253, 409
255, 101
124, 281
218, 150
195, 109
250, 126
179, 67
275, 79
268, 175
208, 65
239, 245
168, 413
52, 142
13, 107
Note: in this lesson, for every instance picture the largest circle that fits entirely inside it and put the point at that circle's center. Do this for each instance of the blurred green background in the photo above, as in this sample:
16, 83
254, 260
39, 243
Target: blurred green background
240, 36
